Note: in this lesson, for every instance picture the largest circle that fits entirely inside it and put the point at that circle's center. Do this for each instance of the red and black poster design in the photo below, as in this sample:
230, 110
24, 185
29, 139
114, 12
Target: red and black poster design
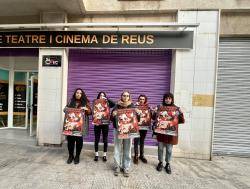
127, 123
145, 117
167, 120
73, 122
101, 112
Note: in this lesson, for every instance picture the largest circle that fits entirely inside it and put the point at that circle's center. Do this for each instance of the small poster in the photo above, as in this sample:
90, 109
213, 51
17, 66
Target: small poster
101, 112
167, 120
145, 117
20, 98
127, 123
73, 122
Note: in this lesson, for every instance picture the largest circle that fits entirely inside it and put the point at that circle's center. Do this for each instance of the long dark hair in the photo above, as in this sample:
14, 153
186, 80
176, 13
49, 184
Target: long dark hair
83, 100
99, 94
166, 95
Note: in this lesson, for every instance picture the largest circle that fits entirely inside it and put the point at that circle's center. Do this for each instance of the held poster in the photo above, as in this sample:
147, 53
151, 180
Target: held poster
145, 117
127, 123
167, 120
101, 112
73, 122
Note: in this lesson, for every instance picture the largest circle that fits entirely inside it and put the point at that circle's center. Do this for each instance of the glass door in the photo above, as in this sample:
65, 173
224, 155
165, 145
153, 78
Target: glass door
4, 93
20, 98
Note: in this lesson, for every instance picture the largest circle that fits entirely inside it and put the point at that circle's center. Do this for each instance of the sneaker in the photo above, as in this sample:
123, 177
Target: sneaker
76, 160
168, 168
70, 159
116, 171
143, 159
135, 159
96, 158
104, 158
159, 166
125, 173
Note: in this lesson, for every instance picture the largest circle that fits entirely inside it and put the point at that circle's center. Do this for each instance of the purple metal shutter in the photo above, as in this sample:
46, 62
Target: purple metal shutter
139, 71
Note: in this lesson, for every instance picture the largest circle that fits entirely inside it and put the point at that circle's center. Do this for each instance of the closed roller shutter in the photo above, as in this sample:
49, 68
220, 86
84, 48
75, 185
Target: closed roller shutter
112, 71
232, 115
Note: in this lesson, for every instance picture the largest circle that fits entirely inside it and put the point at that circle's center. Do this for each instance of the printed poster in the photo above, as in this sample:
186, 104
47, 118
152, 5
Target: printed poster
101, 112
73, 122
127, 123
167, 120
145, 117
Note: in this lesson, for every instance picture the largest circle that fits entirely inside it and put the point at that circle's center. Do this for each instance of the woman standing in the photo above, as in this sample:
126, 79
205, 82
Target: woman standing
78, 100
122, 151
142, 101
103, 128
164, 140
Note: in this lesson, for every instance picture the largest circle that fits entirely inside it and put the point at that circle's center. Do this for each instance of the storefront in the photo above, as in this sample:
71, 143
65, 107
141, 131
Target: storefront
18, 92
139, 71
145, 58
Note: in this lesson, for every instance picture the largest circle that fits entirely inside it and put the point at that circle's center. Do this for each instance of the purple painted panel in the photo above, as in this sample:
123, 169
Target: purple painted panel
19, 51
139, 71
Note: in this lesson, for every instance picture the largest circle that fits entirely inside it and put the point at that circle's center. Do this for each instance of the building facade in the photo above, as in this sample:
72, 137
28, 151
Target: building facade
210, 78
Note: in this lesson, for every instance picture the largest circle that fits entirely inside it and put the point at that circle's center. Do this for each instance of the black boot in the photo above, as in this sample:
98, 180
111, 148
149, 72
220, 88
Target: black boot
159, 166
136, 159
96, 158
76, 159
168, 168
70, 159
143, 159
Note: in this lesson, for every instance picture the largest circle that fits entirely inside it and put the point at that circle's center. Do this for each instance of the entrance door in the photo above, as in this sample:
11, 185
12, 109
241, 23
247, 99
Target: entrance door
33, 104
25, 100
20, 99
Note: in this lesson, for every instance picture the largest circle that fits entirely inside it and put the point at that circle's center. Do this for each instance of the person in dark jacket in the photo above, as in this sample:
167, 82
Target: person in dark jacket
104, 129
142, 101
167, 141
122, 147
78, 100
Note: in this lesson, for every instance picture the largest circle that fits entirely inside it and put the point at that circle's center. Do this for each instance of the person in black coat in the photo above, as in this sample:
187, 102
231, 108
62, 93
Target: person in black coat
78, 100
104, 129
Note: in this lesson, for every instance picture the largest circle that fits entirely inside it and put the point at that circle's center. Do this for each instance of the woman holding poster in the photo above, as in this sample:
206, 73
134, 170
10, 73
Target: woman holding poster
144, 112
167, 116
125, 127
101, 121
76, 113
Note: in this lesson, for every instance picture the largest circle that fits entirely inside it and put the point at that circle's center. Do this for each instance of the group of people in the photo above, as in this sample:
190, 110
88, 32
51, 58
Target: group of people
122, 147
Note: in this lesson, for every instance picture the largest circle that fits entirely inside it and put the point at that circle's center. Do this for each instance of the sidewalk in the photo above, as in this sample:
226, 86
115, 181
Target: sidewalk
29, 166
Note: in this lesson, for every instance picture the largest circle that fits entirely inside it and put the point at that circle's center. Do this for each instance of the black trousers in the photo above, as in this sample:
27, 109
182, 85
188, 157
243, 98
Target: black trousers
72, 140
140, 140
105, 130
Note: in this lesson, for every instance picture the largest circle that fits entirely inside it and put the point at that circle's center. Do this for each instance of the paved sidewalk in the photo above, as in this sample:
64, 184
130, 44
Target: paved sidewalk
29, 166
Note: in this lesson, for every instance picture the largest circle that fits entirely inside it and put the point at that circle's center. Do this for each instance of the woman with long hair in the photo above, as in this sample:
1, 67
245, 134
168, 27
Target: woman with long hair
78, 100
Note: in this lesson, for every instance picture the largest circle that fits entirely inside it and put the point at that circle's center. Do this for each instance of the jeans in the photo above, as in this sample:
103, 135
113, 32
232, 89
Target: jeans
71, 145
122, 152
105, 130
140, 140
169, 148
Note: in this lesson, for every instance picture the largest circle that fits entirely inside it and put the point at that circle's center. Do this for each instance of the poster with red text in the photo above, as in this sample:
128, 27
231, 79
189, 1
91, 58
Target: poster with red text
101, 112
73, 122
145, 117
127, 123
167, 120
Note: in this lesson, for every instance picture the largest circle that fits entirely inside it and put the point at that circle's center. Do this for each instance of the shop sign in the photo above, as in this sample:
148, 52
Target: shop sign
53, 61
98, 39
